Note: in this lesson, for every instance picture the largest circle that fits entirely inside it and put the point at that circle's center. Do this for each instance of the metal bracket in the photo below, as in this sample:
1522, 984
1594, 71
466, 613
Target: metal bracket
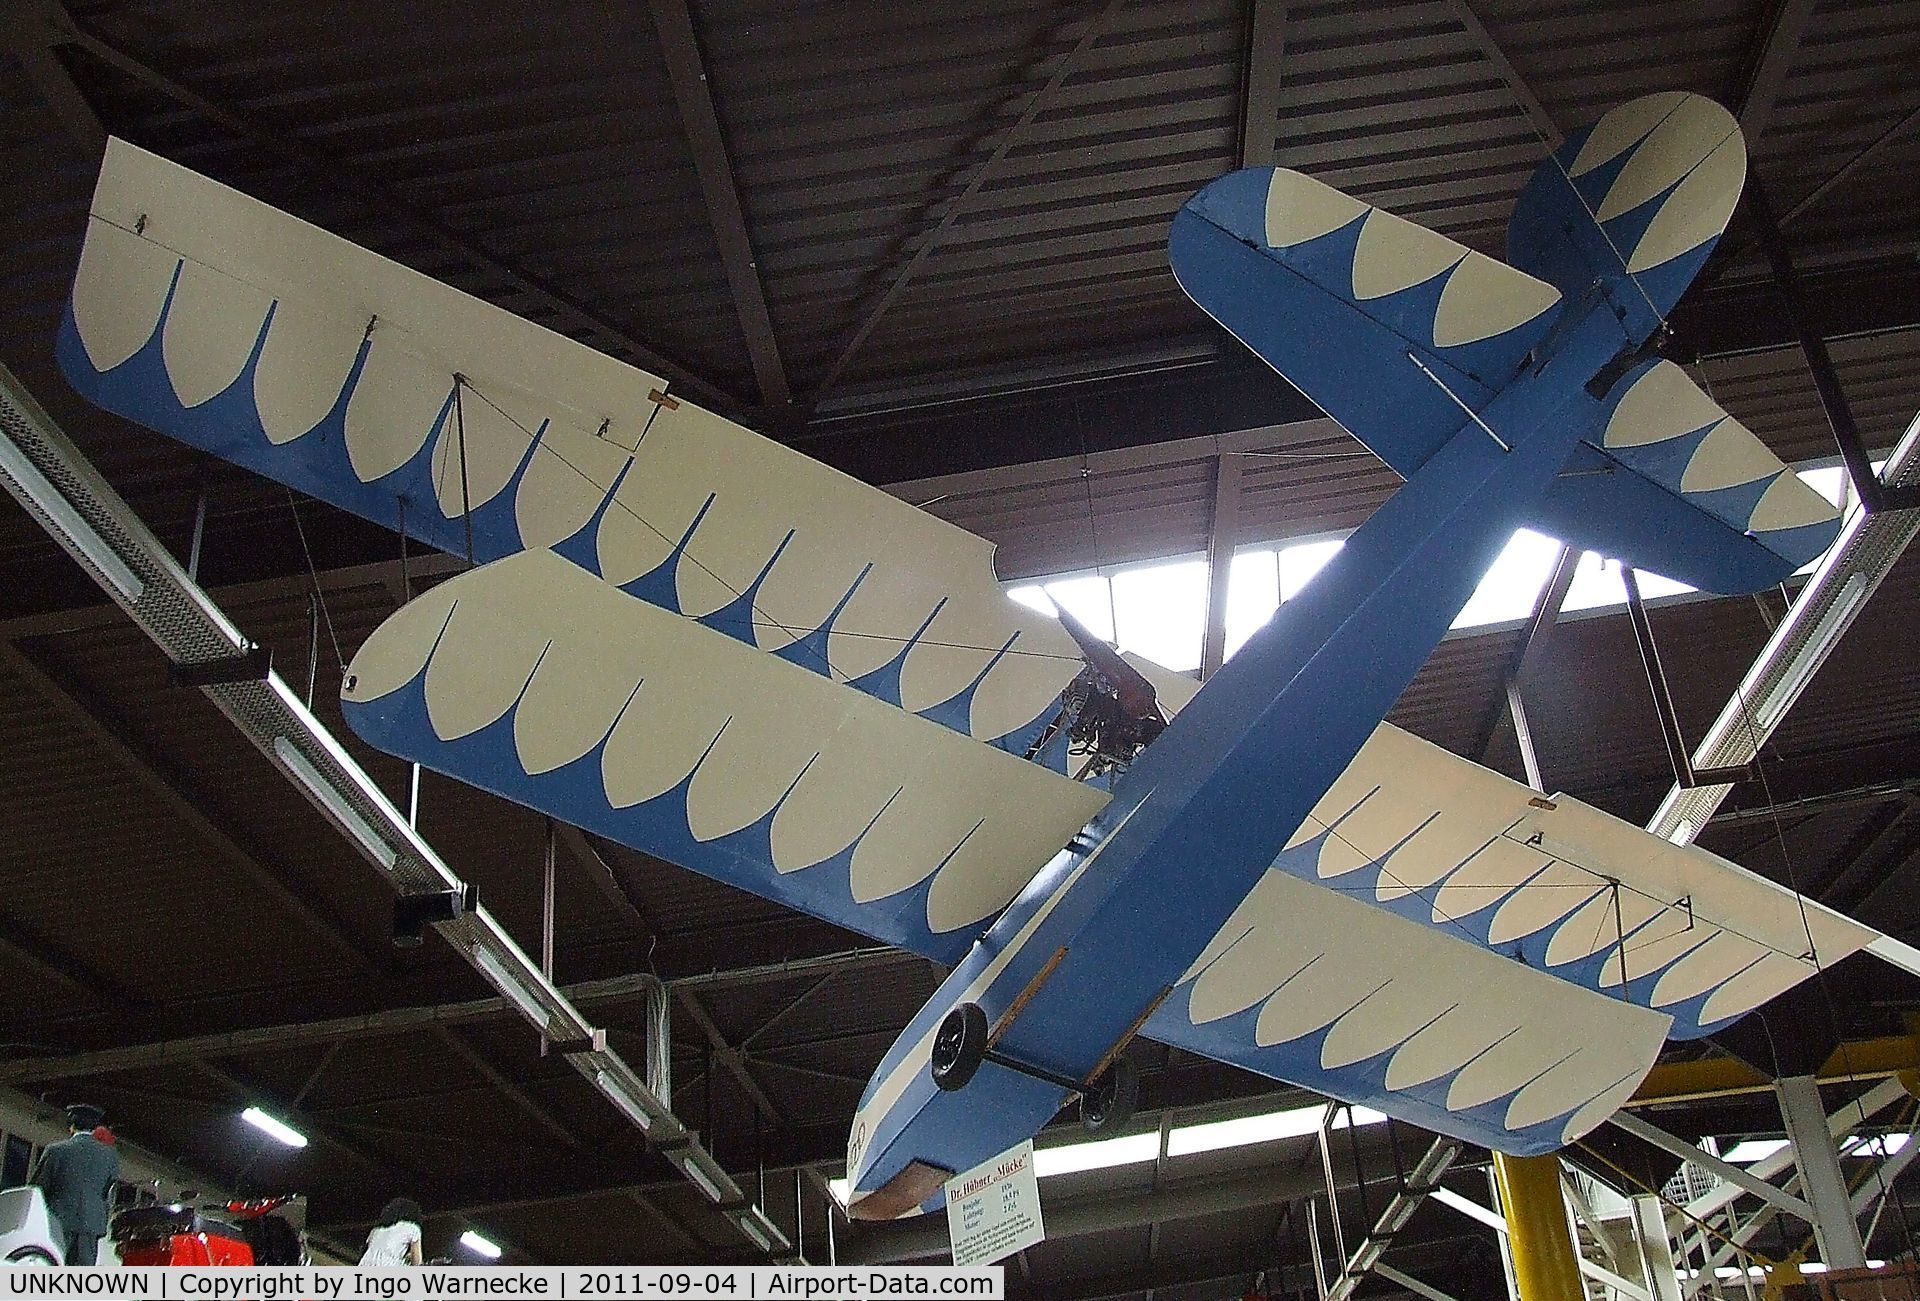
413, 913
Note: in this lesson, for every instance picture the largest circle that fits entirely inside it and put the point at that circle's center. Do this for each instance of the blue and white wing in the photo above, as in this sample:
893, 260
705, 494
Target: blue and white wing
1313, 987
1456, 950
234, 327
538, 680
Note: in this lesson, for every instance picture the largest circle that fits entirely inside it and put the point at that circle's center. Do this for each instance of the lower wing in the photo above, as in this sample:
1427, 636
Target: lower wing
535, 679
1312, 987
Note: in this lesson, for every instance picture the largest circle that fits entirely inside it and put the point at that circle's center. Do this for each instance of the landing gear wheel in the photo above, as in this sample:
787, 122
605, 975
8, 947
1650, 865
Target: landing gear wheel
1108, 1103
959, 1047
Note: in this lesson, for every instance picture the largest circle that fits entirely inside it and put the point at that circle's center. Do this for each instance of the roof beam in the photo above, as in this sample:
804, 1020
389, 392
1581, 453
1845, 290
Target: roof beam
1223, 536
693, 92
115, 739
1009, 137
505, 1087
399, 1020
31, 33
1529, 102
1527, 655
342, 177
606, 879
1260, 92
299, 1034
1773, 56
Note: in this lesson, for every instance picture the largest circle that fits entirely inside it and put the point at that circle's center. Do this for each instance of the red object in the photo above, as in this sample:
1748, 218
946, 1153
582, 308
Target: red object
104, 1134
184, 1249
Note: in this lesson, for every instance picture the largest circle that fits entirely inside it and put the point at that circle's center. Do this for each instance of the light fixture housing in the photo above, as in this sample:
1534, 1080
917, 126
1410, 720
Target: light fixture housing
619, 1095
480, 1245
322, 790
77, 534
515, 989
273, 1127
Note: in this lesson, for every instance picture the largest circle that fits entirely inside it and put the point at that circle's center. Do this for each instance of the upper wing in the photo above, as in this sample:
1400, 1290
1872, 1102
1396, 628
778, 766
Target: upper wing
232, 326
1459, 951
1561, 887
1316, 988
533, 678
1672, 483
1341, 297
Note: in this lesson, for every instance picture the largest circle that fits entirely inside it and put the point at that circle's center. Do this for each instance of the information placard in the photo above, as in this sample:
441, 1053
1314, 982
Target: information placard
993, 1210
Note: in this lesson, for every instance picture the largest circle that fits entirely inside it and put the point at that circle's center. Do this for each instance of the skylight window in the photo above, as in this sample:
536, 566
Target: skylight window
1253, 594
1268, 1127
1747, 1151
1299, 563
1160, 609
1513, 583
1162, 612
1071, 1158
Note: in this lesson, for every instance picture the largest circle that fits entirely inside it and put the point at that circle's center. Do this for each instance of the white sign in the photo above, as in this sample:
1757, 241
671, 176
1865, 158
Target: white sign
993, 1210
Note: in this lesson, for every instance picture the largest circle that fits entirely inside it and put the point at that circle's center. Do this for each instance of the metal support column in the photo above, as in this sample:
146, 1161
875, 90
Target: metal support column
1656, 1248
1814, 1151
1545, 1266
1875, 494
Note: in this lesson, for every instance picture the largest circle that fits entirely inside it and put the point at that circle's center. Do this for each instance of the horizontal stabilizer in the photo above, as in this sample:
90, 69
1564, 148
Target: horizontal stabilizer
1340, 297
1671, 483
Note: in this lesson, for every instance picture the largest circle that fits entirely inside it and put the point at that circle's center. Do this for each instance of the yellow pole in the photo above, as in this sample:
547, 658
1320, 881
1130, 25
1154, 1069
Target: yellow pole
1538, 1234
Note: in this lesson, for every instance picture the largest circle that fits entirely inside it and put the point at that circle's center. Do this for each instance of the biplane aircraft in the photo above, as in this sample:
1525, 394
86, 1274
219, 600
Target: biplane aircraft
696, 642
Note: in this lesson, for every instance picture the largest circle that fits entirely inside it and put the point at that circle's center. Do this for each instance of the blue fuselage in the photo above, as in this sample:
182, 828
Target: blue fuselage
1210, 804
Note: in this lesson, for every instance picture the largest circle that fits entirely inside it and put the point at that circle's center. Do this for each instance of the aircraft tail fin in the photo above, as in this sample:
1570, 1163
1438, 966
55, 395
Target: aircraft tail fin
1631, 206
1668, 481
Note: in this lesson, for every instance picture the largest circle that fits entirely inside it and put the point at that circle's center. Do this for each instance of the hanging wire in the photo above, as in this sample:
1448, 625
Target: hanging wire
313, 574
762, 618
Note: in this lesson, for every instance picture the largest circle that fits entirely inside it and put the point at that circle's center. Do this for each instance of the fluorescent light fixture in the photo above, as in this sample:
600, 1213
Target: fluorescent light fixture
702, 1180
1813, 1267
1357, 1116
273, 1127
511, 985
840, 1188
750, 1226
617, 1093
1265, 1128
76, 530
479, 1245
1070, 1158
1753, 1149
330, 799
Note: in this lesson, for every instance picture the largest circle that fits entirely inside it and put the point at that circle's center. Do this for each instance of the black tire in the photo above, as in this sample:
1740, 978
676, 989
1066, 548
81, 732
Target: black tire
959, 1047
1109, 1104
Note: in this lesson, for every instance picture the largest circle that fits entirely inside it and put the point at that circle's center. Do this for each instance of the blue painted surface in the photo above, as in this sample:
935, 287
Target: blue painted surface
1205, 810
398, 723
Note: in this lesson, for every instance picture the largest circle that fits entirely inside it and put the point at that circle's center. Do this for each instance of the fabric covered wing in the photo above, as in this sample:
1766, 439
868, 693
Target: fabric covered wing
1339, 297
234, 327
1674, 484
535, 679
1316, 988
1569, 891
